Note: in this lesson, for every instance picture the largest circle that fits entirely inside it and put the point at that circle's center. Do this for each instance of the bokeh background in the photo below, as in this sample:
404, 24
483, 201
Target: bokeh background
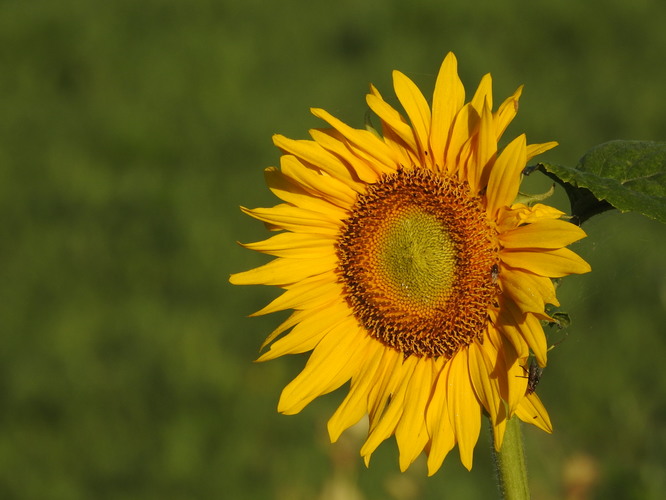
129, 134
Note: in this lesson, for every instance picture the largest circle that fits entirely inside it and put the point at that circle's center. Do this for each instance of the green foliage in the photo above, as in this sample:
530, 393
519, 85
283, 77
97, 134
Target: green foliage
627, 175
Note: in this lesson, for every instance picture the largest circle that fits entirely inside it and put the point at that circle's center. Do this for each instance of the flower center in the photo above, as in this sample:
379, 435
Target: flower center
416, 259
416, 256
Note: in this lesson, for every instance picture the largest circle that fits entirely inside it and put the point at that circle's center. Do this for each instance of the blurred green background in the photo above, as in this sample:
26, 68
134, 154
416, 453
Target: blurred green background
129, 134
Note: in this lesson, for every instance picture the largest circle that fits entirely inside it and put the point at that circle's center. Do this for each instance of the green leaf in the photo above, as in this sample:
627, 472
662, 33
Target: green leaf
627, 175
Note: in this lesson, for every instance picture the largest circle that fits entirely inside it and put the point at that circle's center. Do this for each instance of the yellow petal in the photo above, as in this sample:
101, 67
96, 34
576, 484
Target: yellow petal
283, 271
505, 176
518, 214
529, 291
412, 447
536, 149
542, 234
486, 388
535, 337
290, 322
448, 99
331, 364
437, 420
406, 157
295, 219
355, 405
379, 168
385, 383
492, 334
311, 292
483, 94
317, 183
511, 333
305, 335
532, 411
332, 141
393, 119
406, 154
284, 188
485, 153
516, 380
293, 193
391, 415
416, 107
314, 154
551, 263
487, 352
465, 161
363, 139
294, 245
464, 408
511, 377
410, 432
465, 122
498, 434
507, 112
530, 329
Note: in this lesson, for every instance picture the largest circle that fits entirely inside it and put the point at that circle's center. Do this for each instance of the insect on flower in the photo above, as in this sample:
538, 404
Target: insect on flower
533, 377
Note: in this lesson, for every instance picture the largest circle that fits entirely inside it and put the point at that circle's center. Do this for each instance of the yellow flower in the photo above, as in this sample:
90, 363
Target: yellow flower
411, 272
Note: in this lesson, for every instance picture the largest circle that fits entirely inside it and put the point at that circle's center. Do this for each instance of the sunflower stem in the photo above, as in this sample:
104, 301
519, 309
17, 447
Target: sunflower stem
510, 464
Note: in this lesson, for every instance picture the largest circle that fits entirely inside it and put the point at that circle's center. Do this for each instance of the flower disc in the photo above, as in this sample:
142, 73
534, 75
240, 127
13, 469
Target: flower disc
416, 259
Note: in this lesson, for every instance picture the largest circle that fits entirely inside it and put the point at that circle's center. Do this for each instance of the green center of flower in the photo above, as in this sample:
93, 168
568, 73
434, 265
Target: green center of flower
418, 257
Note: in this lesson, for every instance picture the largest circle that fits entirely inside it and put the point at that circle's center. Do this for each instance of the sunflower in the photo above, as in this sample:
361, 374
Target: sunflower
411, 271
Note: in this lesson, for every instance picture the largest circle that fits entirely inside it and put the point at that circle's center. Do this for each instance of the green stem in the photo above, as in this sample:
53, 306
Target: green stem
510, 464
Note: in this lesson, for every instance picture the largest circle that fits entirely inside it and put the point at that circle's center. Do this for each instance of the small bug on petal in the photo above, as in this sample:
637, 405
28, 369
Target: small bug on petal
533, 377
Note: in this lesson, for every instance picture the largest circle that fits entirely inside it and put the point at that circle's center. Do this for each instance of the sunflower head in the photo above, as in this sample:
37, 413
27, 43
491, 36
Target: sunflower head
412, 273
